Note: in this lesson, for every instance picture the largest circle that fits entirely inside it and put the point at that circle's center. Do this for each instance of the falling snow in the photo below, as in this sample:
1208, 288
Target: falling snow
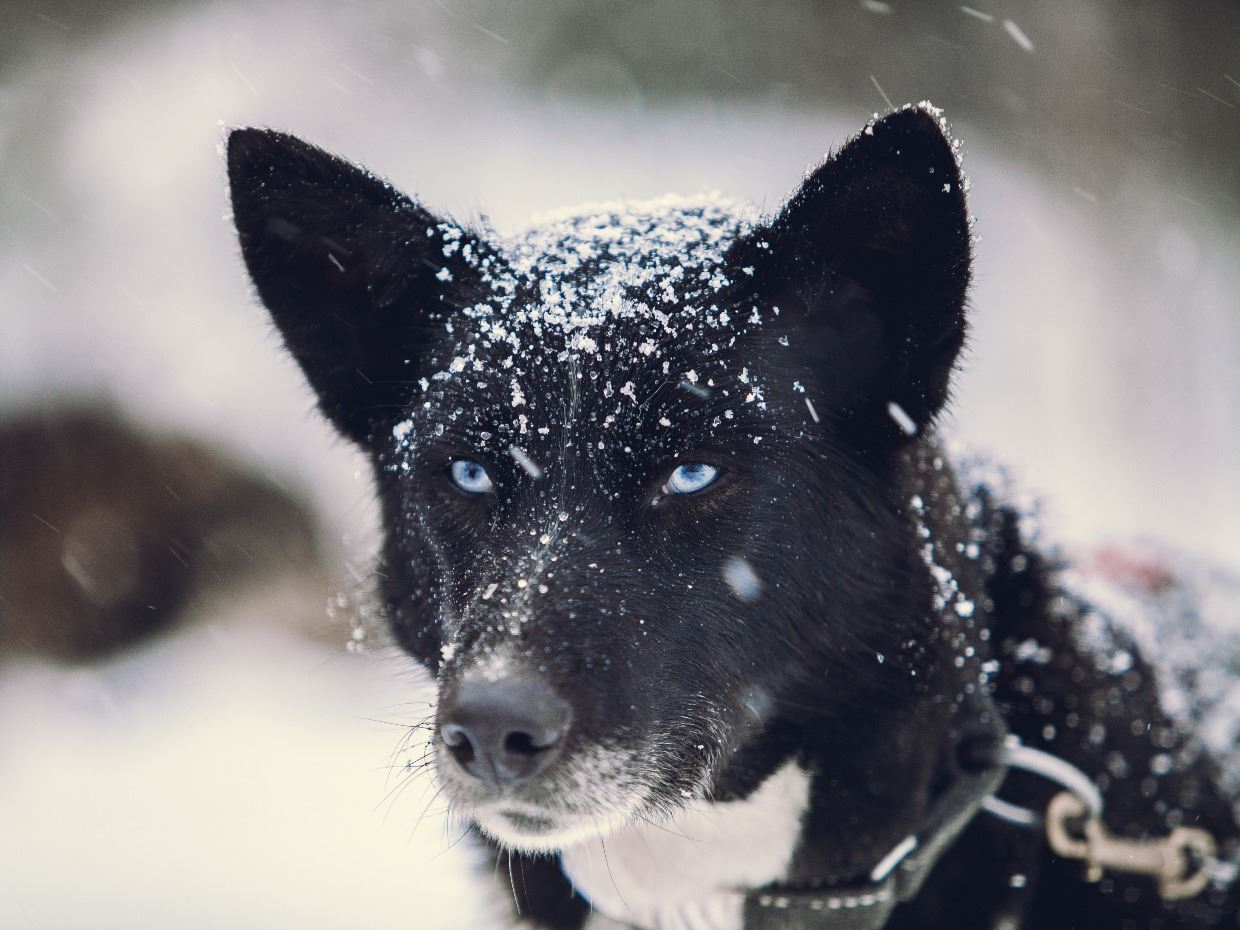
741, 578
1018, 35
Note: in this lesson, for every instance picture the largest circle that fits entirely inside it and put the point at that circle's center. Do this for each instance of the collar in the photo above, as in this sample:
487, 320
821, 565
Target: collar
897, 877
863, 905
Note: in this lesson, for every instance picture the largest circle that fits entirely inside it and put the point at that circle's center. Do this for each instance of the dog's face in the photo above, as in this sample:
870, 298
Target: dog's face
638, 466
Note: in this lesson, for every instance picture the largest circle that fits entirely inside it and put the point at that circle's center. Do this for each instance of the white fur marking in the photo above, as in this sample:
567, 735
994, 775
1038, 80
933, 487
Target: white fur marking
688, 872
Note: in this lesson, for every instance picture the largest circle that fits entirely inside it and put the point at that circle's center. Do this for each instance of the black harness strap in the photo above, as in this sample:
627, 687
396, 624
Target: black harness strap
868, 905
898, 877
861, 907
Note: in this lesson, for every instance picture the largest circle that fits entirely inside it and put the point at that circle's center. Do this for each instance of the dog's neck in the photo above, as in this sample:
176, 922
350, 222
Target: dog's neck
687, 871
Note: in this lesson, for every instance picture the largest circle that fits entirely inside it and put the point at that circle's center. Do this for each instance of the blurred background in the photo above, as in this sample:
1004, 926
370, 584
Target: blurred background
199, 724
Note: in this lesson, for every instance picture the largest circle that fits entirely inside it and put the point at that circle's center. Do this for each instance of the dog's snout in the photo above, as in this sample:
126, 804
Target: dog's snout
506, 731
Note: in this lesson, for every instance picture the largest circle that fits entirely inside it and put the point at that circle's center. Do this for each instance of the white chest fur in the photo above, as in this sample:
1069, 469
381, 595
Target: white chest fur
691, 871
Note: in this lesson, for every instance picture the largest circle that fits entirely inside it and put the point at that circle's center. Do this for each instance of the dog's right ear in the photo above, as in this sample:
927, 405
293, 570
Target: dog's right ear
353, 272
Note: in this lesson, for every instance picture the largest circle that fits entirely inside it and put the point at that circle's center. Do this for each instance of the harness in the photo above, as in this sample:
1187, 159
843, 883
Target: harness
1183, 862
897, 877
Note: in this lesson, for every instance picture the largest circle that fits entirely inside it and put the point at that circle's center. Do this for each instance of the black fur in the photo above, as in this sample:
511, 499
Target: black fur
784, 352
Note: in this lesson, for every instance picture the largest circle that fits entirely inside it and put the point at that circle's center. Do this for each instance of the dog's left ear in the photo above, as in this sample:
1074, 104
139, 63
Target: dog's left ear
869, 264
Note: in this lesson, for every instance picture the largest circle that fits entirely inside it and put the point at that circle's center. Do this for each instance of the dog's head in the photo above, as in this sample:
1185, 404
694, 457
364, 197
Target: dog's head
638, 465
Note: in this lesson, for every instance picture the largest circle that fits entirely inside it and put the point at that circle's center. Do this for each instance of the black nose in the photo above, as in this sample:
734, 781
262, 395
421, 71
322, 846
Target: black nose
506, 731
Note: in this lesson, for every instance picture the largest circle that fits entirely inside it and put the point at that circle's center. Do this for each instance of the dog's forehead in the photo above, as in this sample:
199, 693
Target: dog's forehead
609, 283
645, 249
622, 316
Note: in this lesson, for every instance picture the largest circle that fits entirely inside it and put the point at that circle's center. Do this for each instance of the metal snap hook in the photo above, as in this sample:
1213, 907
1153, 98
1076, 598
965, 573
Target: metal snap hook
1180, 861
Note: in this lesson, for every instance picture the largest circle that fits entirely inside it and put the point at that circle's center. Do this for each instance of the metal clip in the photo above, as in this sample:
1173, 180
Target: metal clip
1180, 861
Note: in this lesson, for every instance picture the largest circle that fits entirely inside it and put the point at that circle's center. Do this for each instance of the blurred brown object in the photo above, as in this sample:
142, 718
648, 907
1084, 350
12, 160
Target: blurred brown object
109, 534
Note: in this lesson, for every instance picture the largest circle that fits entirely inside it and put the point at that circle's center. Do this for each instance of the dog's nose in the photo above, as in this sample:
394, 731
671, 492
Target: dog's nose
506, 731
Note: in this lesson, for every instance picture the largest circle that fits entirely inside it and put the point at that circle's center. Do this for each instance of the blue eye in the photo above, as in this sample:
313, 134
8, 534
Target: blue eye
470, 477
691, 477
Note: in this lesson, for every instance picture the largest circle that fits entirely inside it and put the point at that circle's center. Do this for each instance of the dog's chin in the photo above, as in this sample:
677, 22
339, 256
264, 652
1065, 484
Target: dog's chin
532, 829
590, 794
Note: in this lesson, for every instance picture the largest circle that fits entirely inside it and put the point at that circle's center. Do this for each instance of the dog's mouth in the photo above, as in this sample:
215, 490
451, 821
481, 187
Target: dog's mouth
547, 830
593, 793
528, 824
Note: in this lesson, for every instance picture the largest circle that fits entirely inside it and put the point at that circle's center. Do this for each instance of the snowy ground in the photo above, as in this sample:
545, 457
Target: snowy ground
228, 776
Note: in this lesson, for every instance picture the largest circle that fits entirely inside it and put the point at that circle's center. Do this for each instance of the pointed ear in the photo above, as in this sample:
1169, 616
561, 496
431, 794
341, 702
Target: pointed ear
869, 261
353, 272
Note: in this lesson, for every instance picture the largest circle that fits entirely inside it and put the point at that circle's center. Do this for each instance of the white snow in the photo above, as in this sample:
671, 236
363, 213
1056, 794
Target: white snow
1018, 35
906, 423
593, 267
521, 457
978, 14
739, 575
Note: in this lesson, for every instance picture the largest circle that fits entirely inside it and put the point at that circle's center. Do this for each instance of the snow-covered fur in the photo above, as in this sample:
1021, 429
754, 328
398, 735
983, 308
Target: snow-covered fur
797, 643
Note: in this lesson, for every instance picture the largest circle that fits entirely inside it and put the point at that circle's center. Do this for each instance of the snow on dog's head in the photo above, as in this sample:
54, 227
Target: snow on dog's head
637, 463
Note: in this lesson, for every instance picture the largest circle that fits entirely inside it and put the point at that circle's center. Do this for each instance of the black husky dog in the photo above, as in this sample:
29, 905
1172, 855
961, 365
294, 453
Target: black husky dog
723, 637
